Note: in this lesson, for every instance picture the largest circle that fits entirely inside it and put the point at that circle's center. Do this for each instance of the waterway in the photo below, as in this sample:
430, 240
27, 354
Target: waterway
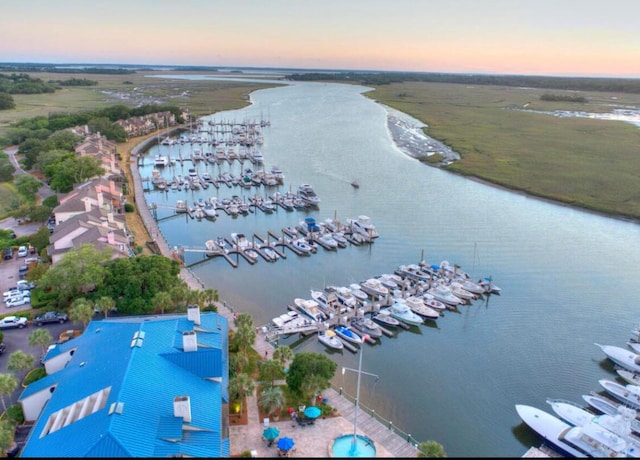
568, 278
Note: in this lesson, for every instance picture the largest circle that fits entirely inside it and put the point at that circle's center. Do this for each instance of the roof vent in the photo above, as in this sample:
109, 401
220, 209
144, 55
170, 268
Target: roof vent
182, 407
189, 341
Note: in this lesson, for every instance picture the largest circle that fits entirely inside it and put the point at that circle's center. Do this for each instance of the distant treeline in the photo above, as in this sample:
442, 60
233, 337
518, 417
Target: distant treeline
74, 82
563, 98
53, 68
620, 85
24, 84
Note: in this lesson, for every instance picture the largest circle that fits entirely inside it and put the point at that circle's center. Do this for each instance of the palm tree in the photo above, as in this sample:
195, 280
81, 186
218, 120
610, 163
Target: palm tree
105, 304
244, 320
312, 386
8, 385
237, 363
243, 339
431, 449
41, 337
162, 301
81, 310
20, 361
272, 400
271, 371
239, 387
283, 354
210, 296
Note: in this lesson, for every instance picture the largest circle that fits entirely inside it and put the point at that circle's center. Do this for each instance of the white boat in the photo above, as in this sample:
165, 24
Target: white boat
328, 302
622, 357
387, 282
489, 286
270, 253
417, 305
601, 404
213, 249
458, 291
285, 318
345, 296
348, 334
330, 339
628, 394
570, 412
590, 440
364, 325
431, 301
210, 210
240, 241
357, 292
340, 239
302, 245
363, 226
374, 287
310, 308
634, 345
471, 286
628, 376
384, 317
327, 241
413, 272
444, 295
181, 206
161, 160
308, 195
401, 311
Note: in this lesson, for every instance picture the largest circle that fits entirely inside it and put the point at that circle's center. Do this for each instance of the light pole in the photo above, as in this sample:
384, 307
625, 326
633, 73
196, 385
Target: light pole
354, 444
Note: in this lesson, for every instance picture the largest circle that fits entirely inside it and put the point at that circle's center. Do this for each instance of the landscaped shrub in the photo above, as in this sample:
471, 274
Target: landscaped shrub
15, 414
128, 207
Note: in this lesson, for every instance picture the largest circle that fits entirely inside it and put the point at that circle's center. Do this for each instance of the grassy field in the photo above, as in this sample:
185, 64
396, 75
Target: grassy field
592, 164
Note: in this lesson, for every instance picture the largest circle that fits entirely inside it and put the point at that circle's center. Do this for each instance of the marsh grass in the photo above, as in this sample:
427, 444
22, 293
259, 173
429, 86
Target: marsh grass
592, 164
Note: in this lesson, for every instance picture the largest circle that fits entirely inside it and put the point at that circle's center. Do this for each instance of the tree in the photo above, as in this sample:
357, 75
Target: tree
237, 363
7, 433
244, 320
243, 339
239, 387
27, 186
307, 364
312, 386
6, 102
283, 354
271, 371
8, 385
272, 399
431, 449
81, 310
210, 296
105, 304
40, 337
19, 361
80, 271
162, 301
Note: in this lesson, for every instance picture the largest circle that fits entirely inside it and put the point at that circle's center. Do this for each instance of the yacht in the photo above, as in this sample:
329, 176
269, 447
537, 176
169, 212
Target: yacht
363, 226
161, 160
401, 311
308, 195
310, 308
374, 287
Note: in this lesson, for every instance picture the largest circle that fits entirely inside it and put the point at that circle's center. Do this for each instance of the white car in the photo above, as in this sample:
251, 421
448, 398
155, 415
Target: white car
22, 251
13, 321
16, 302
15, 293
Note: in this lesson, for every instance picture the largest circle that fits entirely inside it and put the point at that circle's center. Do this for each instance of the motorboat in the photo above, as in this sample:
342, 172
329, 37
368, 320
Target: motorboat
210, 210
285, 318
634, 345
301, 245
213, 249
452, 272
357, 292
345, 296
413, 272
161, 160
458, 291
627, 394
181, 206
628, 376
348, 334
310, 308
340, 239
374, 287
290, 231
308, 195
401, 311
590, 440
270, 253
618, 422
622, 357
363, 226
308, 225
330, 339
489, 286
609, 407
326, 240
251, 253
471, 286
417, 305
366, 326
328, 301
431, 301
387, 282
444, 295
240, 241
198, 213
384, 318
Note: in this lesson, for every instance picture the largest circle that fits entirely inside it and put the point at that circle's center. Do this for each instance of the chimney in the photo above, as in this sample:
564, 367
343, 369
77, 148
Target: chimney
182, 407
189, 341
111, 237
87, 204
193, 314
110, 217
99, 197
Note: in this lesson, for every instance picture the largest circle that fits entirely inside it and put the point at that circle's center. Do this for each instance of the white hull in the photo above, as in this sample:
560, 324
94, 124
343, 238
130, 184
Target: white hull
622, 357
628, 394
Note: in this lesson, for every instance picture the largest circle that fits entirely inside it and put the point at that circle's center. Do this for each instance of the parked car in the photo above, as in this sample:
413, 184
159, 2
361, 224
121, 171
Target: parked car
25, 285
50, 317
3, 347
23, 269
23, 251
8, 254
9, 322
16, 302
15, 293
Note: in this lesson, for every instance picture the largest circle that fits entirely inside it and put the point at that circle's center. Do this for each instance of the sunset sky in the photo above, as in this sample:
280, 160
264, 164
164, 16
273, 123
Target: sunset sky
532, 37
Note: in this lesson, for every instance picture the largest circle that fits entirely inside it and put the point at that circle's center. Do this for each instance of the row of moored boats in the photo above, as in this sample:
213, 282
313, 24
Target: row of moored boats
609, 426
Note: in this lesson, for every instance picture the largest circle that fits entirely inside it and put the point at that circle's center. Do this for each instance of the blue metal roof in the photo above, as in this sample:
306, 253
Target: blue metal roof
144, 376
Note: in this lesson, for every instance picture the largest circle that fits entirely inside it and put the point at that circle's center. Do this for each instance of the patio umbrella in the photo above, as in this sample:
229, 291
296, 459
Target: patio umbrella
285, 443
271, 433
312, 412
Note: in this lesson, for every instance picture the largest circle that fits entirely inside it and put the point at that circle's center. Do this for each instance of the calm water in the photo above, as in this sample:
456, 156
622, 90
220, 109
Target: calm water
568, 278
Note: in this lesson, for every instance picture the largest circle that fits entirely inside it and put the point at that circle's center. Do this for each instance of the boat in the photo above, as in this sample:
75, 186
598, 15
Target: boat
340, 239
198, 213
622, 357
355, 184
348, 334
308, 195
210, 210
431, 301
489, 286
363, 226
609, 407
458, 291
240, 241
618, 423
627, 394
328, 302
590, 440
251, 253
384, 318
213, 249
471, 286
401, 311
374, 287
357, 292
270, 253
301, 245
345, 296
630, 377
444, 295
330, 339
366, 326
387, 282
327, 241
285, 318
413, 272
634, 345
310, 308
417, 305
308, 225
161, 160
181, 206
